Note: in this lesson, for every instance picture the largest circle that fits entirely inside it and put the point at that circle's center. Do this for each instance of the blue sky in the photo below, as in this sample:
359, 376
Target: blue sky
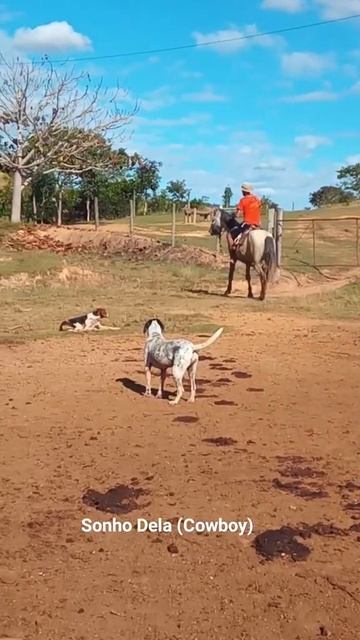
279, 111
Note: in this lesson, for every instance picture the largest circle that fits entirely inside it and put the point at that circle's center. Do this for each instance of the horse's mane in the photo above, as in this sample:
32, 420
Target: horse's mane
228, 217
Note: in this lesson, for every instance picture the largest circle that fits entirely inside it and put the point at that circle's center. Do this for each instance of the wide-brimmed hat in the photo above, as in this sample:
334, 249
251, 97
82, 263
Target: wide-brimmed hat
246, 187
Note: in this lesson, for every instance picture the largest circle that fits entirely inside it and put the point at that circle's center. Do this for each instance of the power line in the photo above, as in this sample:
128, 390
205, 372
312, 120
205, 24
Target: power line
201, 44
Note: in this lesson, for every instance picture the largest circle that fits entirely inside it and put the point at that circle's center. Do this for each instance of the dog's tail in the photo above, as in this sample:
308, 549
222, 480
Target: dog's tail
211, 340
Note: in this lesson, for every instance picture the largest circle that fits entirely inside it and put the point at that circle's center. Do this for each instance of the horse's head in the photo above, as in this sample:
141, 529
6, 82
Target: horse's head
216, 225
221, 220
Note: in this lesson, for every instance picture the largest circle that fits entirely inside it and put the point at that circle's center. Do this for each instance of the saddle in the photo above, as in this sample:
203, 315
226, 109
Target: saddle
243, 234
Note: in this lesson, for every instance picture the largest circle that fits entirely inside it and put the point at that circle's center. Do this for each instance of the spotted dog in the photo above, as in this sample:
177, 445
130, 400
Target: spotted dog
87, 322
180, 355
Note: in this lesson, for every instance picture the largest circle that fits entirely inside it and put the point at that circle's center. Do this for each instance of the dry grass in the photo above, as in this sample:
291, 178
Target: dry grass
39, 289
43, 289
335, 239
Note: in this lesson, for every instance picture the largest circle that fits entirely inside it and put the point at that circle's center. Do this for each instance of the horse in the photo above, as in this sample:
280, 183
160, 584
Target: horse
257, 250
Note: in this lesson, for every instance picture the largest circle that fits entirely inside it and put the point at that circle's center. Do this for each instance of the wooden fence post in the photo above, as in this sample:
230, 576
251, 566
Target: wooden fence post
271, 217
314, 243
278, 236
96, 212
134, 204
131, 219
173, 226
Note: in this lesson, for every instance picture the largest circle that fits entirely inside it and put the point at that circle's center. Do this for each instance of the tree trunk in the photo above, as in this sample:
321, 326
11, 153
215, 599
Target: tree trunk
87, 209
96, 210
16, 198
34, 207
59, 210
145, 207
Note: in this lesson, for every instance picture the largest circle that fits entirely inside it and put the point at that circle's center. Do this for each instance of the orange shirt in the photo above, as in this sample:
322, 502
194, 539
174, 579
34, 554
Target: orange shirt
250, 207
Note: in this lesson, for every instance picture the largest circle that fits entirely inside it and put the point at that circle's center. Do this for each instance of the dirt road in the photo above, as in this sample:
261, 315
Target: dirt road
273, 437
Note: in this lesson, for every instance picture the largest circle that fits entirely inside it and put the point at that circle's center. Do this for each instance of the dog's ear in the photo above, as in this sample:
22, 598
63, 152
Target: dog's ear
146, 326
101, 312
149, 323
161, 325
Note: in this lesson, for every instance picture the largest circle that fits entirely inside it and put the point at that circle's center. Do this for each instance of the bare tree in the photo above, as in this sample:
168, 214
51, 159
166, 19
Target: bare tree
50, 120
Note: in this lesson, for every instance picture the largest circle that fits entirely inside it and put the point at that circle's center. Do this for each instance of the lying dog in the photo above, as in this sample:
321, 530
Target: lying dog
87, 322
180, 355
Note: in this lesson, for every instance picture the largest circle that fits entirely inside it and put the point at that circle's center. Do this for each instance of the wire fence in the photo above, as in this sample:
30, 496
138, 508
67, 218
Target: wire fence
321, 241
307, 241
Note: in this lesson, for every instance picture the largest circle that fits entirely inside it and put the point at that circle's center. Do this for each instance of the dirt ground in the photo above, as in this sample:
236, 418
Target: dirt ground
273, 437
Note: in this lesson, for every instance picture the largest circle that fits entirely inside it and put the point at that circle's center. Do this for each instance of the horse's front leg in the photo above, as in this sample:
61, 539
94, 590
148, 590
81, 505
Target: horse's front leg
231, 276
248, 278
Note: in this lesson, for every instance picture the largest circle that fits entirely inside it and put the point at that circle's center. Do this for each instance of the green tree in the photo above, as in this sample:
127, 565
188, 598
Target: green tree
160, 202
198, 203
146, 179
40, 205
349, 178
177, 191
328, 195
226, 198
266, 204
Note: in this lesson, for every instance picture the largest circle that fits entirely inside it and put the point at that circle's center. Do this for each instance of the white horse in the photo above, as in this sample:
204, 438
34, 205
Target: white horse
257, 250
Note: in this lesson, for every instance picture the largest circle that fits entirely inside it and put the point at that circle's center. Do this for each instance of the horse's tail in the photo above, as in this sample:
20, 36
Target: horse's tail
269, 258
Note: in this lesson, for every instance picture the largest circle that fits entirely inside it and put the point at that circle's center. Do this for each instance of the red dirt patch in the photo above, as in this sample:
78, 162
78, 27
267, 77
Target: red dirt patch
83, 429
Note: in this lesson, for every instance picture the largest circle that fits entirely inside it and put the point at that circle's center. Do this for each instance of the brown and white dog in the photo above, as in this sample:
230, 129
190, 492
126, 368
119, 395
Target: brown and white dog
87, 322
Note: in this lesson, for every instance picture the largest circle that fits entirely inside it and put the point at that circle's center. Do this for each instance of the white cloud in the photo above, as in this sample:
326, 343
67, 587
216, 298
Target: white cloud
162, 97
207, 95
311, 96
311, 142
246, 150
307, 63
270, 166
333, 9
49, 38
290, 6
229, 166
7, 47
234, 39
157, 99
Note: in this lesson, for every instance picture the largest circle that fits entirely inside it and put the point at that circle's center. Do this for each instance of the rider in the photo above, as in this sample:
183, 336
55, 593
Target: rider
249, 207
